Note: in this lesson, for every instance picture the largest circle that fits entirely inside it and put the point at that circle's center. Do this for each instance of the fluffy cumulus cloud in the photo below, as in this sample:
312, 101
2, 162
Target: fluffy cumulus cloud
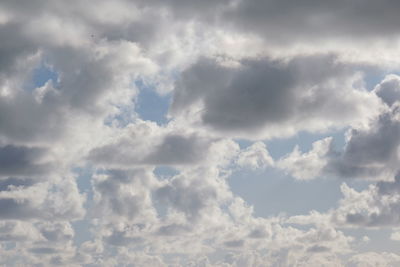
268, 98
375, 206
307, 165
88, 178
255, 156
375, 259
370, 151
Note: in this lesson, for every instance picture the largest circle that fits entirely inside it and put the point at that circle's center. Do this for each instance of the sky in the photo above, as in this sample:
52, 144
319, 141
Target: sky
215, 133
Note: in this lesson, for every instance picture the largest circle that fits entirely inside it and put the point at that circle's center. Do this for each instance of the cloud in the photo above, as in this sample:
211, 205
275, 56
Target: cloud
18, 231
372, 207
395, 236
374, 259
44, 200
308, 21
175, 148
15, 48
255, 156
188, 196
375, 207
23, 161
160, 195
389, 89
370, 151
267, 98
307, 165
147, 144
124, 196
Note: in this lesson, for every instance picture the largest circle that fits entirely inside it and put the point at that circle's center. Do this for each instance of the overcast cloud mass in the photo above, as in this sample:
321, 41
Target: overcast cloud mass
224, 133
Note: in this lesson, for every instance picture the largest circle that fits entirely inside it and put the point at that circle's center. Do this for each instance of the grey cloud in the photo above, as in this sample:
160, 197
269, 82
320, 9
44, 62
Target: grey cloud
176, 149
22, 119
389, 89
142, 32
122, 176
120, 238
83, 81
276, 20
318, 249
57, 232
126, 205
356, 218
63, 203
284, 22
86, 83
388, 216
265, 94
255, 96
23, 161
236, 99
23, 7
11, 208
190, 196
259, 232
171, 149
370, 152
6, 183
387, 213
389, 188
189, 10
173, 229
376, 206
308, 20
123, 196
234, 243
13, 48
43, 250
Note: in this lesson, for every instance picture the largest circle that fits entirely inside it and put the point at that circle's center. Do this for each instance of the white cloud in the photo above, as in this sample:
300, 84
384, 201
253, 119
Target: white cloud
307, 165
255, 156
367, 259
395, 236
372, 207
